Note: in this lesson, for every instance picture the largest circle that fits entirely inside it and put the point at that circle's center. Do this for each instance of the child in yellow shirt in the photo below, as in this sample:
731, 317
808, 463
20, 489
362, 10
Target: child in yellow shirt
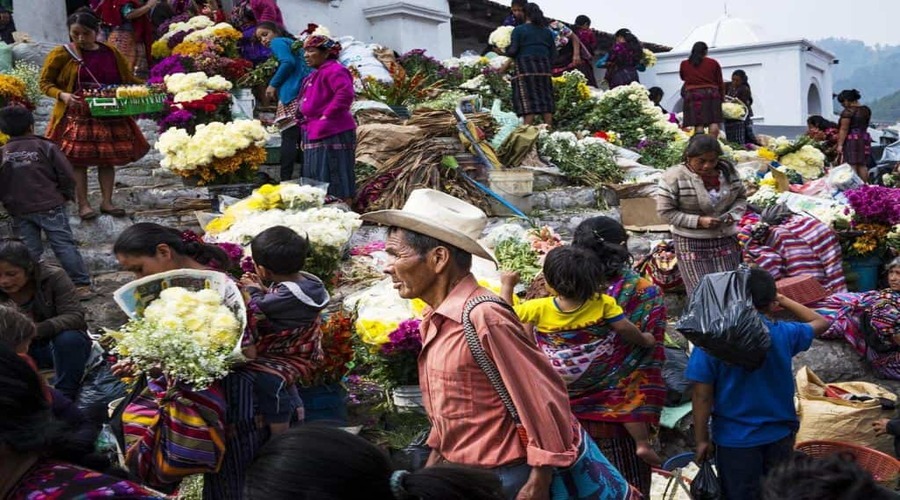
575, 327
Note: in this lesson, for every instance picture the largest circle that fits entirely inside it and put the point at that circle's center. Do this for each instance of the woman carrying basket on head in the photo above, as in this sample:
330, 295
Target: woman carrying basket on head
68, 71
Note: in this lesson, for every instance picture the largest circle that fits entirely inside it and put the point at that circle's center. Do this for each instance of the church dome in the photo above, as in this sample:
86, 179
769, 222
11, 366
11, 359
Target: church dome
725, 31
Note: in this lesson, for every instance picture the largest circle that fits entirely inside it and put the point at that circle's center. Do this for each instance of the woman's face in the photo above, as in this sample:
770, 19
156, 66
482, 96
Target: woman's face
13, 279
620, 39
315, 56
142, 265
84, 37
735, 80
894, 278
705, 163
265, 36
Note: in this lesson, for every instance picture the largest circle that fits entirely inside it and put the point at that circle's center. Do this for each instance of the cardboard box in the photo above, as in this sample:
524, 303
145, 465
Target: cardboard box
641, 212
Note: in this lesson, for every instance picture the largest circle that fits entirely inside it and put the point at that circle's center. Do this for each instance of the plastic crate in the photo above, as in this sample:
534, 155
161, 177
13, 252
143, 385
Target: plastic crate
126, 106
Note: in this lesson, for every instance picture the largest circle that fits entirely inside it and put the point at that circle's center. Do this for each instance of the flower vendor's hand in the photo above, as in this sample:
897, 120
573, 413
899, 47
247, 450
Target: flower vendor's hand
68, 98
880, 426
706, 222
271, 93
251, 280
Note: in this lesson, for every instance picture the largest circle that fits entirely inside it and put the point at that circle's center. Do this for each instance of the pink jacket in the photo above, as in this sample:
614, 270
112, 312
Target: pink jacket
266, 10
325, 101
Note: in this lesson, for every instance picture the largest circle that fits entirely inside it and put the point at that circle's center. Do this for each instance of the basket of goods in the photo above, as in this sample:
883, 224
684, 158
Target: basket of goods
126, 100
734, 109
804, 289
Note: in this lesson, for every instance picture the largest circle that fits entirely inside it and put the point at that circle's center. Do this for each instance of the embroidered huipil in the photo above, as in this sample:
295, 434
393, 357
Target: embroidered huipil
470, 425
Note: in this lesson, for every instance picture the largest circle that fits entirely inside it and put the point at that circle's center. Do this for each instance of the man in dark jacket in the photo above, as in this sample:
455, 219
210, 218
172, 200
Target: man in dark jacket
36, 181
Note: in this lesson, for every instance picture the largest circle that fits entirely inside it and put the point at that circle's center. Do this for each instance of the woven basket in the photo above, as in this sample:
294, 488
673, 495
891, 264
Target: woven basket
803, 289
884, 468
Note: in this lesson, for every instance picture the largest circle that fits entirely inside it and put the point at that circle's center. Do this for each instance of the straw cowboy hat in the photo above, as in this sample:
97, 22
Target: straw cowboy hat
441, 216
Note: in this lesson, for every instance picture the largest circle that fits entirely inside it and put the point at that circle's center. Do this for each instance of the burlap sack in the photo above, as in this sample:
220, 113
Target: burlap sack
376, 143
824, 418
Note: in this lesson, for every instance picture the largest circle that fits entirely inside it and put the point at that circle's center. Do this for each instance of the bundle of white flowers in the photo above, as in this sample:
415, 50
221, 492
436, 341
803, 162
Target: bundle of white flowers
183, 153
209, 33
733, 111
809, 162
765, 196
194, 23
501, 37
648, 59
190, 335
188, 87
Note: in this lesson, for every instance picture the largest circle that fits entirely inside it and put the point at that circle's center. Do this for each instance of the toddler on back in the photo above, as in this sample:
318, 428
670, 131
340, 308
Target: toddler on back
571, 323
287, 304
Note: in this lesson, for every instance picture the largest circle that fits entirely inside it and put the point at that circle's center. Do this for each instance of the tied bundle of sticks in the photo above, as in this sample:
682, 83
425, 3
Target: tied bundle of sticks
418, 166
441, 123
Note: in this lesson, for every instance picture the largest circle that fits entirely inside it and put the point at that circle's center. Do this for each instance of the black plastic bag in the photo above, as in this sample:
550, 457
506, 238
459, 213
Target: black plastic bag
678, 387
721, 320
705, 485
99, 388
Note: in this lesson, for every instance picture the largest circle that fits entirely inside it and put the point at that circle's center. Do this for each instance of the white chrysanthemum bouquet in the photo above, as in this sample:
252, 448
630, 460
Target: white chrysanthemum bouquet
191, 332
733, 111
188, 87
501, 37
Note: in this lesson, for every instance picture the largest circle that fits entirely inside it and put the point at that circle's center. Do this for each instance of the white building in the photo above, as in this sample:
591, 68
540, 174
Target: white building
790, 79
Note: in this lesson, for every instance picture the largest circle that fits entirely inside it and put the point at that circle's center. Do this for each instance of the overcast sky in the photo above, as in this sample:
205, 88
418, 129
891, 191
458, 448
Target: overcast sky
668, 21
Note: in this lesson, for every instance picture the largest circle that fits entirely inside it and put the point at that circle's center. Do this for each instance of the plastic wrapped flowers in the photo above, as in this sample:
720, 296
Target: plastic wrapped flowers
733, 111
808, 161
189, 332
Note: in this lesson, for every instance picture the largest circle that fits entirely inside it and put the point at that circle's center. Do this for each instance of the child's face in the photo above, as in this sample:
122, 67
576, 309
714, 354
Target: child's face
263, 273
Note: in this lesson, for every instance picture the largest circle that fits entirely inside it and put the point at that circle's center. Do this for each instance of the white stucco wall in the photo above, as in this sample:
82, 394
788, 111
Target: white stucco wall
780, 75
402, 25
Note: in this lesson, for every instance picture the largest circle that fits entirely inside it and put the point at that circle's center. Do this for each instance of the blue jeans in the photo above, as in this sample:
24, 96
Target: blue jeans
512, 478
55, 224
741, 470
67, 353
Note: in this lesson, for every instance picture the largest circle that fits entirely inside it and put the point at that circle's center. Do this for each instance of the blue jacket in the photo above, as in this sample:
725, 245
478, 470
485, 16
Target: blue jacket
292, 69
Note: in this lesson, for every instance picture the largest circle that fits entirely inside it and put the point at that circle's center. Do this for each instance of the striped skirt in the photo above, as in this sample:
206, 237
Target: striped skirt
102, 142
532, 87
133, 51
699, 257
702, 107
332, 160
857, 147
618, 447
736, 131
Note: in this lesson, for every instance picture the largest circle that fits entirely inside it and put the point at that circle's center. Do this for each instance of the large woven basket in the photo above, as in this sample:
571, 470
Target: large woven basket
883, 467
804, 289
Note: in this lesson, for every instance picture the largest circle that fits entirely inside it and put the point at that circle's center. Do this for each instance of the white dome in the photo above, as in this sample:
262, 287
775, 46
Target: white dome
725, 31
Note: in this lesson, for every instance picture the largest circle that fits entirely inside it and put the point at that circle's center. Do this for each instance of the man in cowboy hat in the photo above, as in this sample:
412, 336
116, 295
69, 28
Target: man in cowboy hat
432, 241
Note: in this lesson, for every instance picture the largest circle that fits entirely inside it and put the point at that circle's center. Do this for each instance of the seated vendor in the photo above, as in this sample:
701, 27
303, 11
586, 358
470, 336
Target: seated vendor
870, 322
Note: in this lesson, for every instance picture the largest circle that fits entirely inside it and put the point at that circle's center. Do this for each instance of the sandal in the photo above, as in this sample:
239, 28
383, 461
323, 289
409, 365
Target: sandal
114, 212
89, 215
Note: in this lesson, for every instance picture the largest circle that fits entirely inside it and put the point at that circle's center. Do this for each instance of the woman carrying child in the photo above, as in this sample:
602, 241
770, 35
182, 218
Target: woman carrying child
578, 328
628, 388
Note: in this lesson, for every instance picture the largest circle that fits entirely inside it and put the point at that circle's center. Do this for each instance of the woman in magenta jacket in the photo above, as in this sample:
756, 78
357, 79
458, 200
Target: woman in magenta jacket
328, 130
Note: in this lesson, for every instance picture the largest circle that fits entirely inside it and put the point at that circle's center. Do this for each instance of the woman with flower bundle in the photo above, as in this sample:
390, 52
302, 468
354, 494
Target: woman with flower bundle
533, 48
145, 249
740, 131
628, 385
68, 71
571, 53
825, 133
328, 130
131, 30
285, 88
703, 91
703, 199
623, 59
854, 142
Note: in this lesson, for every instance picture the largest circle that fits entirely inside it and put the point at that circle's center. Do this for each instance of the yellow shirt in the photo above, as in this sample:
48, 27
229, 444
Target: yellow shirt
546, 317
